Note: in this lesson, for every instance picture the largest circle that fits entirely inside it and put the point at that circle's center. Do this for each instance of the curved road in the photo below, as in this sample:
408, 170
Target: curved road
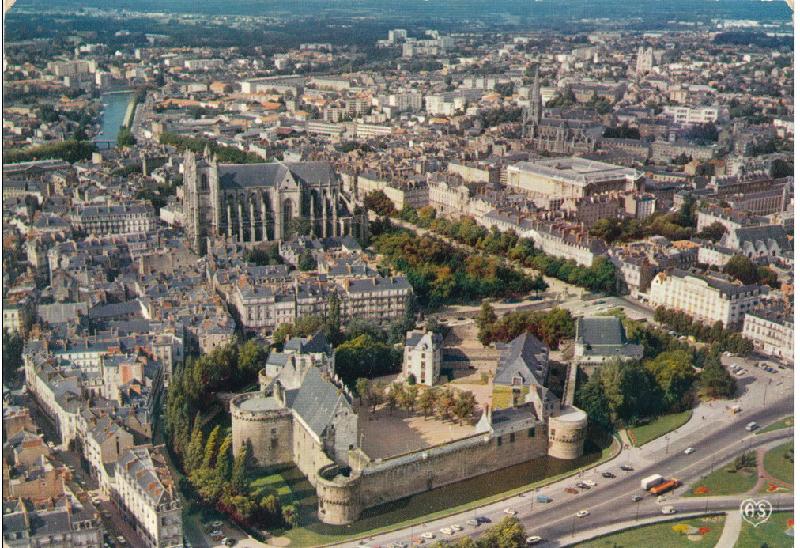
611, 500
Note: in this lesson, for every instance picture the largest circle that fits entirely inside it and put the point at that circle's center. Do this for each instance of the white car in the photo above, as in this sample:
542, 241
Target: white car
688, 450
530, 541
590, 483
668, 510
582, 513
446, 531
428, 535
510, 512
456, 528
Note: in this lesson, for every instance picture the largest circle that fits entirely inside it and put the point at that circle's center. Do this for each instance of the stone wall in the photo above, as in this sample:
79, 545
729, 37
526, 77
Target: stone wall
342, 498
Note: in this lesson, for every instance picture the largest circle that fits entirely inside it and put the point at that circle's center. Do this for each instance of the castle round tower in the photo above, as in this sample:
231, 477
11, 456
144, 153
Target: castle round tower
266, 424
337, 491
567, 433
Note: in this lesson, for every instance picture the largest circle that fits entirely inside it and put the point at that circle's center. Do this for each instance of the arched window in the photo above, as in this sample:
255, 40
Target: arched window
203, 182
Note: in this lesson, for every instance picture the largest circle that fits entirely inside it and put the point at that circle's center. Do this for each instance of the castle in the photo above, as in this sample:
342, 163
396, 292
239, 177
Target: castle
251, 203
304, 415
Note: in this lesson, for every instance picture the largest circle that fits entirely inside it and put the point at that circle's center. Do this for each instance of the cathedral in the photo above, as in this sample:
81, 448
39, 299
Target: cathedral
557, 135
252, 203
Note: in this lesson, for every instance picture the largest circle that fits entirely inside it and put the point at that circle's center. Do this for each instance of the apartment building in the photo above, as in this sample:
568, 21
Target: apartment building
148, 499
114, 219
771, 328
705, 298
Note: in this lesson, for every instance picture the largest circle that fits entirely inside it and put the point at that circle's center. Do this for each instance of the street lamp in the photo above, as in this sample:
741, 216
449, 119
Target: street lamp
667, 439
637, 509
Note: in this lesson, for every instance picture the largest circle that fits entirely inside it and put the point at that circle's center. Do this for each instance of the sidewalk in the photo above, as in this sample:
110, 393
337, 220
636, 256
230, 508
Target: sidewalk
623, 525
730, 533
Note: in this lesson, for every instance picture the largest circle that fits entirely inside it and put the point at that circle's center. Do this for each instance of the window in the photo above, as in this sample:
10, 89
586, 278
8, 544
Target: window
499, 441
531, 432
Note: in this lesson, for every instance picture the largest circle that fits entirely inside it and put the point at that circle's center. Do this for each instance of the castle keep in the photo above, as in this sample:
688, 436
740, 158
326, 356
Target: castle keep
304, 415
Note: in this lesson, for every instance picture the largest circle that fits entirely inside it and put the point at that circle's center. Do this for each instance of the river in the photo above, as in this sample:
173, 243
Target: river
115, 104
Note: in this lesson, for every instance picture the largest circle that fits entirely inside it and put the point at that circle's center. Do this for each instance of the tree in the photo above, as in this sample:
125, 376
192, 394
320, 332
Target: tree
239, 481
445, 402
125, 137
223, 466
743, 269
394, 397
714, 232
715, 380
408, 397
264, 255
485, 321
426, 402
366, 357
675, 375
307, 261
194, 452
291, 516
379, 202
509, 533
12, 355
539, 284
592, 399
362, 388
252, 356
464, 405
210, 454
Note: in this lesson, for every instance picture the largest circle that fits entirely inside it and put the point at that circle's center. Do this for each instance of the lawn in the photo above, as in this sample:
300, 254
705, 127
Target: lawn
658, 427
777, 465
786, 422
705, 534
772, 533
446, 500
723, 482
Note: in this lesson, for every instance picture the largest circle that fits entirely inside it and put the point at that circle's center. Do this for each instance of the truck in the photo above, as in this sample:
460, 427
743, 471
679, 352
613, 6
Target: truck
664, 486
651, 481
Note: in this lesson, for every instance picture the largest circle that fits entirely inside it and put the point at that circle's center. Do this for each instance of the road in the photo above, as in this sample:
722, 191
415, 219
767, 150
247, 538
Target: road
717, 442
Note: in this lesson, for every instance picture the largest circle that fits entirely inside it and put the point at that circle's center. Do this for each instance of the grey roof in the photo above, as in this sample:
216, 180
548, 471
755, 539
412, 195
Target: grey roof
316, 343
604, 336
315, 401
764, 233
605, 330
720, 282
271, 174
523, 357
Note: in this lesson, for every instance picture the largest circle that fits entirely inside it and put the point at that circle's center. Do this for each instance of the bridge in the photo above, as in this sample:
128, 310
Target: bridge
105, 144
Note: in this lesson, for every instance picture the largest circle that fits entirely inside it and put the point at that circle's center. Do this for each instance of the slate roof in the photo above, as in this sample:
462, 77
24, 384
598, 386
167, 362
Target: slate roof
526, 355
764, 233
604, 336
233, 176
316, 343
315, 401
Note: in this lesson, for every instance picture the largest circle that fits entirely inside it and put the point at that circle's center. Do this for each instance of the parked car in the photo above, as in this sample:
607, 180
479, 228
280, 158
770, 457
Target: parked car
483, 519
456, 528
510, 512
582, 513
571, 490
446, 531
636, 498
473, 522
688, 450
544, 499
427, 535
751, 426
608, 475
590, 483
216, 524
530, 541
216, 534
668, 510
626, 468
581, 485
228, 541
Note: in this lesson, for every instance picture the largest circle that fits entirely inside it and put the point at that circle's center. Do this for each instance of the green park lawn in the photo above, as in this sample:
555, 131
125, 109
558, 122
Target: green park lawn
723, 482
658, 427
772, 533
777, 465
786, 422
663, 534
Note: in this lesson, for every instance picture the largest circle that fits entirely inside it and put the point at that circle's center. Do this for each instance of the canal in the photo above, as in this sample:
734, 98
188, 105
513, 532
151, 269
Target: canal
115, 105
